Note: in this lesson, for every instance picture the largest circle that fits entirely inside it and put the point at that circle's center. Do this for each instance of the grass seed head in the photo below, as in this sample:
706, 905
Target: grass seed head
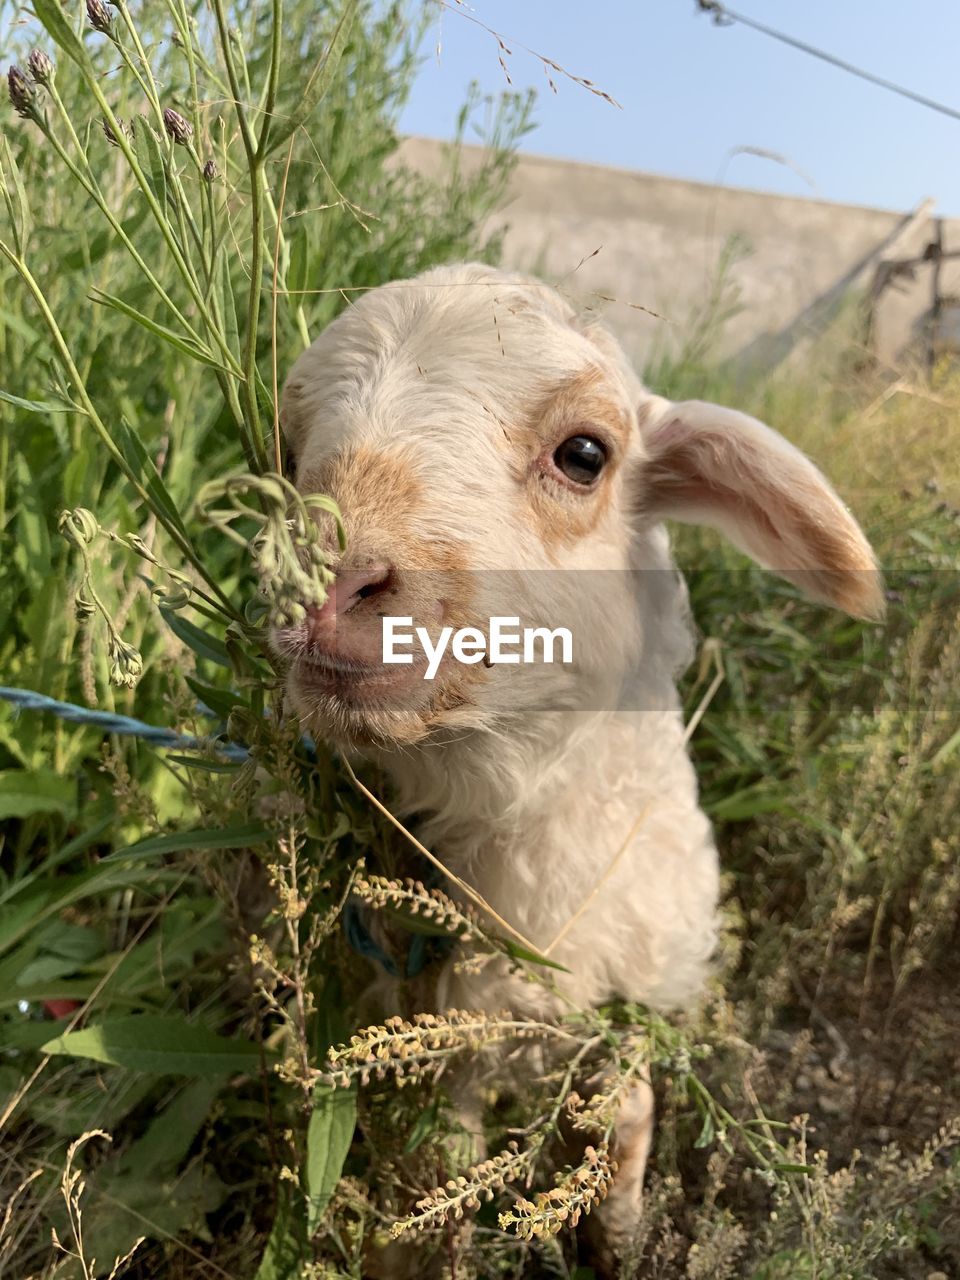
82, 607
126, 664
110, 134
288, 552
99, 17
80, 526
41, 66
23, 95
179, 129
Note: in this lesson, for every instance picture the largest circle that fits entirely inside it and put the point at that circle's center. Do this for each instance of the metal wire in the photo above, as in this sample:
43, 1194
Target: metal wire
723, 17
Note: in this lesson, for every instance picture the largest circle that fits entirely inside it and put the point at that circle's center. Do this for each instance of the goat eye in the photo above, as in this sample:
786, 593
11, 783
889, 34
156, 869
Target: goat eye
581, 459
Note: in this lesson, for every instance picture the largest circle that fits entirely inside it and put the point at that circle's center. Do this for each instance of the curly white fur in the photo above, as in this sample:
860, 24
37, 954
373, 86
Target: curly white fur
464, 381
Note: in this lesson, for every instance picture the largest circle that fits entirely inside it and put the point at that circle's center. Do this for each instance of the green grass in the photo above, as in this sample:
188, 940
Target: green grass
132, 880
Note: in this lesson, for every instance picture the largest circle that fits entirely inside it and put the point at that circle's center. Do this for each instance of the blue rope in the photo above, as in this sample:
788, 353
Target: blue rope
110, 722
358, 935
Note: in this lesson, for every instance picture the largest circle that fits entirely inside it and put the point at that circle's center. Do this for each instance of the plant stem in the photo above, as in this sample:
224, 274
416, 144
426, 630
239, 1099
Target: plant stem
270, 97
66, 358
151, 93
161, 220
255, 167
277, 442
93, 191
65, 117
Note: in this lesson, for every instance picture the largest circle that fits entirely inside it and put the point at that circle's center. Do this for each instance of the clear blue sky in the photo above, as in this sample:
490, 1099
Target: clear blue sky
691, 91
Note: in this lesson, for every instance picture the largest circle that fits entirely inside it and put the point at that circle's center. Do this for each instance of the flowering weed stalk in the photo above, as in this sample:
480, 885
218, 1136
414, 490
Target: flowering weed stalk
167, 156
413, 1050
414, 903
288, 553
183, 207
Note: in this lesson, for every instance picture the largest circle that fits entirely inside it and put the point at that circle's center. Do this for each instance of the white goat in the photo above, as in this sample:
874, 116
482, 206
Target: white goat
491, 454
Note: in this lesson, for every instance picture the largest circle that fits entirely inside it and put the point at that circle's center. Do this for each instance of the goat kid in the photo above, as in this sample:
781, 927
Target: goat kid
493, 454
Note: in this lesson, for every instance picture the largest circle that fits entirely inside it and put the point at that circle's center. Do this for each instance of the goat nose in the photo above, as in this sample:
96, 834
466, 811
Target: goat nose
348, 589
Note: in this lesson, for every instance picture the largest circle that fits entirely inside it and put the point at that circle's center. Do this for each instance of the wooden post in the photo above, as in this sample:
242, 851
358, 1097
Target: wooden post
936, 299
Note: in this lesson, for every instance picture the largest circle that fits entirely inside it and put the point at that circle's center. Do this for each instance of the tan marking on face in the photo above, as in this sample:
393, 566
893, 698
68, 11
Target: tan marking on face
584, 404
379, 495
373, 489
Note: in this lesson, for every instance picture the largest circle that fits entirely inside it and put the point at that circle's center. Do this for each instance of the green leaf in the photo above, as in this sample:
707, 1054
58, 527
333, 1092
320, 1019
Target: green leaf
121, 1207
947, 750
79, 989
54, 894
201, 642
231, 325
319, 80
329, 1134
405, 917
221, 701
239, 837
161, 1043
170, 1134
298, 272
922, 540
284, 1256
78, 844
24, 792
38, 406
32, 549
533, 957
142, 465
16, 324
425, 1125
51, 15
25, 1035
750, 801
45, 969
788, 1264
150, 151
707, 1132
184, 345
202, 764
77, 942
15, 197
83, 258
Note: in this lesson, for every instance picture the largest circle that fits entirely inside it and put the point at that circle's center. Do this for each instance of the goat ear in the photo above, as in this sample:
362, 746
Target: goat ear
715, 466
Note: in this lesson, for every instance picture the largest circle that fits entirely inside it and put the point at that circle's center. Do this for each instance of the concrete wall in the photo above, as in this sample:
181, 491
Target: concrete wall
656, 243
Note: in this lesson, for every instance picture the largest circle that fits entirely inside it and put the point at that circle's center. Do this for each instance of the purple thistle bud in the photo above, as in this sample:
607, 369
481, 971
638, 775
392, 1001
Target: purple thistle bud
210, 171
109, 134
99, 16
179, 129
41, 67
23, 96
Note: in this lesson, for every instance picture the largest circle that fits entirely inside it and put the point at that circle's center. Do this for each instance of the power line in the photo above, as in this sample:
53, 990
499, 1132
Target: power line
723, 16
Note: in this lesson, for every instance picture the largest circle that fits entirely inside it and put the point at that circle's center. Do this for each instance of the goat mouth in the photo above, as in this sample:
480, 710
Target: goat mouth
333, 665
354, 681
